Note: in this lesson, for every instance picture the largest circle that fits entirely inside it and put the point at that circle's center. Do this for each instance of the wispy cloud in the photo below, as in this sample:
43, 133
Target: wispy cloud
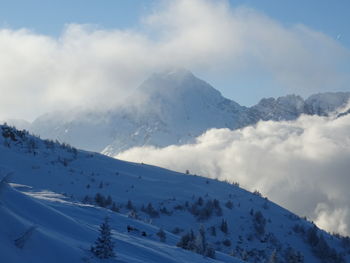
302, 165
91, 66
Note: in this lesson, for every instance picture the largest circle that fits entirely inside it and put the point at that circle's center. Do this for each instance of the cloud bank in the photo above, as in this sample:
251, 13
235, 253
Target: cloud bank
90, 66
302, 165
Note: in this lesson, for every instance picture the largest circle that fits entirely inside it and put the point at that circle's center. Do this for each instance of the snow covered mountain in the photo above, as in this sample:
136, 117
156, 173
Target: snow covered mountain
61, 194
290, 107
176, 107
172, 107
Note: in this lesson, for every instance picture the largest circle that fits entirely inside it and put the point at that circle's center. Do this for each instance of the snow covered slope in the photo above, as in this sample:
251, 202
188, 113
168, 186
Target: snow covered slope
50, 228
235, 222
175, 108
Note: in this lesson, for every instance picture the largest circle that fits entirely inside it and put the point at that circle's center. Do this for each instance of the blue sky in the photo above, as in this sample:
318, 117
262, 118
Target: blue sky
314, 57
49, 17
330, 17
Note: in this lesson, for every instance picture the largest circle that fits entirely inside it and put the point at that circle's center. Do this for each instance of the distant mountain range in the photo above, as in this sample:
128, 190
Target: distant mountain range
175, 107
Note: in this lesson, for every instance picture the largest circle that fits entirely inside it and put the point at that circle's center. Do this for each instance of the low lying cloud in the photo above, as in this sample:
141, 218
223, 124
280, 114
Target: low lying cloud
90, 66
302, 165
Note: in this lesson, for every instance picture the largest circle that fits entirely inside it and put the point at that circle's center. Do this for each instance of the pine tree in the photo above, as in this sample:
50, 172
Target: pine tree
161, 234
213, 231
115, 208
259, 223
108, 201
129, 205
100, 200
104, 246
223, 226
201, 241
187, 241
197, 244
273, 257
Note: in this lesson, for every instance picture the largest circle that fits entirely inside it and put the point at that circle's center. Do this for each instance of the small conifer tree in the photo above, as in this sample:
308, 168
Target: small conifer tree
104, 246
161, 234
223, 226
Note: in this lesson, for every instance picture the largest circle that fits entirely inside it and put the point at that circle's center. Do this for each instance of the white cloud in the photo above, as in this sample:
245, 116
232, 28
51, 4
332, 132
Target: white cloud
334, 219
302, 165
90, 66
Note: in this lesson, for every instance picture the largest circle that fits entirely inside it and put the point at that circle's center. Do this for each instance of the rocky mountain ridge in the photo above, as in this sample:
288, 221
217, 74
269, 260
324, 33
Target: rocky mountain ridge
175, 107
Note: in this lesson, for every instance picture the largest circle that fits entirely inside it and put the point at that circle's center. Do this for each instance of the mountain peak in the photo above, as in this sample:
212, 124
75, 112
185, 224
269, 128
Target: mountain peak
177, 73
176, 82
171, 79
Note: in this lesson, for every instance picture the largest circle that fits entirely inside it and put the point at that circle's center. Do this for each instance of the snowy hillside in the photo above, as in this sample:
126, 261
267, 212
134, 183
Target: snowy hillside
50, 228
169, 108
59, 178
